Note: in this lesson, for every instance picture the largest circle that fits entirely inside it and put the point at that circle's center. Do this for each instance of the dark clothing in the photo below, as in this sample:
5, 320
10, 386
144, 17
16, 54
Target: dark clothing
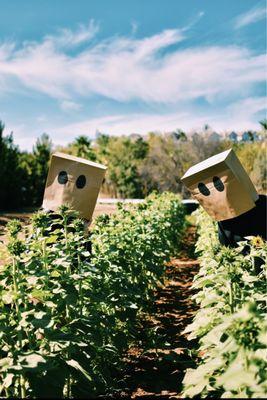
251, 223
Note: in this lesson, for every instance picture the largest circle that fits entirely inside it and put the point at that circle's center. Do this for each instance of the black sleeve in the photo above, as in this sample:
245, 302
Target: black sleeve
251, 223
223, 239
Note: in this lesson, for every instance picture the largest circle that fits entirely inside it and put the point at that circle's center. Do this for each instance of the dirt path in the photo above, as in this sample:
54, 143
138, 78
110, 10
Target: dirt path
155, 370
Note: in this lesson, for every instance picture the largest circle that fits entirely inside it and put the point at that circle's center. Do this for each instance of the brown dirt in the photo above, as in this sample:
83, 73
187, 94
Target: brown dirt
104, 209
156, 368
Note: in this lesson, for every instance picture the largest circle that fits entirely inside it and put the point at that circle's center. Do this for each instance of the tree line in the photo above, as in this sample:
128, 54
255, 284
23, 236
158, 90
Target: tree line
137, 165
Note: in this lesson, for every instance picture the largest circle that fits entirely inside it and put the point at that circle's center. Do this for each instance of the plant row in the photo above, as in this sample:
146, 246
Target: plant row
231, 322
69, 302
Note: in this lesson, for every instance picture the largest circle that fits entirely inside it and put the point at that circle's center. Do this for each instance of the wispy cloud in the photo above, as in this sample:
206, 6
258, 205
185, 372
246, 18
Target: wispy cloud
237, 116
253, 15
70, 38
67, 105
248, 106
126, 68
194, 20
156, 70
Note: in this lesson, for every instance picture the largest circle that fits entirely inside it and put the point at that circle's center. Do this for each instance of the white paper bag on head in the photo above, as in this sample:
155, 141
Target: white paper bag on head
74, 181
222, 186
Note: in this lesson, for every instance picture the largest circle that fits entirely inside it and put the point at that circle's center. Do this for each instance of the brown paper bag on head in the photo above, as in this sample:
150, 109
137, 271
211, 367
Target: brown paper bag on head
73, 181
222, 186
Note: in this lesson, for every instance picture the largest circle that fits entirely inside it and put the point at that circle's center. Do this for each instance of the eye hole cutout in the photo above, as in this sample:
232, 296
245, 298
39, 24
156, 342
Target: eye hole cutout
203, 189
218, 184
62, 177
80, 181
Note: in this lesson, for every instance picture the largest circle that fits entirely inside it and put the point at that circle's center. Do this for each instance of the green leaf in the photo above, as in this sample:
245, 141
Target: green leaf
77, 366
236, 377
8, 297
5, 363
31, 361
8, 380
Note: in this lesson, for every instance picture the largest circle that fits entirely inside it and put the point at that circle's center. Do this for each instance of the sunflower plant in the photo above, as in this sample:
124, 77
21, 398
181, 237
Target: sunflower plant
69, 301
231, 321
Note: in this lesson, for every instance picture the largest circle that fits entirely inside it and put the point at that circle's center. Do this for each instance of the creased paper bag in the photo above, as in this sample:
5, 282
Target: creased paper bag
222, 186
74, 181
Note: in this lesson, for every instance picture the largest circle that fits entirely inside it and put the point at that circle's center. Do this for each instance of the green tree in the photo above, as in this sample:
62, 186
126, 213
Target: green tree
122, 155
102, 143
39, 167
11, 174
82, 147
179, 134
253, 157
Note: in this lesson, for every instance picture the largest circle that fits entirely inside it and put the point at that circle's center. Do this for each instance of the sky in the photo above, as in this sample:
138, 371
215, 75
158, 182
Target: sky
71, 68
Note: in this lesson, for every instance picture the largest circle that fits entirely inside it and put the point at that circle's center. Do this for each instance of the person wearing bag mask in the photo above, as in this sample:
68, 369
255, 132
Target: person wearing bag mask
75, 182
224, 189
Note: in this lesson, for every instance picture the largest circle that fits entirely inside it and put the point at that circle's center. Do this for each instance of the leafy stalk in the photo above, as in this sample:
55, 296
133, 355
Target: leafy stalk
70, 315
230, 324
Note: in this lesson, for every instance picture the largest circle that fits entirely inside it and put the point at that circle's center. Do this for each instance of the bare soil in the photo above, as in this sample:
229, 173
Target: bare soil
155, 369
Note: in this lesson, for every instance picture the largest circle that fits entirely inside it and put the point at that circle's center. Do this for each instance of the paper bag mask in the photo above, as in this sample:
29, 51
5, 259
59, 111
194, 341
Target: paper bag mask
222, 186
73, 181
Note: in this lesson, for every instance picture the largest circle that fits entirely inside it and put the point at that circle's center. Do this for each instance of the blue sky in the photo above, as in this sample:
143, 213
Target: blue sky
76, 67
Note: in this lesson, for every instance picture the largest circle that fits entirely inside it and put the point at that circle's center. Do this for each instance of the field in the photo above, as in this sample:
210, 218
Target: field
158, 311
24, 216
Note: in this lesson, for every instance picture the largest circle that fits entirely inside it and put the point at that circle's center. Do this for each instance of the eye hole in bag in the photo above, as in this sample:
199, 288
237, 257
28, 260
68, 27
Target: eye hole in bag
223, 196
62, 177
203, 189
218, 184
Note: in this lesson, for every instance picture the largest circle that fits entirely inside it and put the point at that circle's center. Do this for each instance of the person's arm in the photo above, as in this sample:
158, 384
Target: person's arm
223, 238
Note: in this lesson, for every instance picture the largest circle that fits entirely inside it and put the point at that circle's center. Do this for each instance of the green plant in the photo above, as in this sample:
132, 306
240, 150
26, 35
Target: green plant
67, 316
230, 324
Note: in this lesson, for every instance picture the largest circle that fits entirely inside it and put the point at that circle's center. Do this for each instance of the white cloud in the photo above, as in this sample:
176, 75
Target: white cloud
126, 69
237, 116
67, 105
247, 107
155, 70
41, 118
121, 124
253, 15
68, 38
23, 135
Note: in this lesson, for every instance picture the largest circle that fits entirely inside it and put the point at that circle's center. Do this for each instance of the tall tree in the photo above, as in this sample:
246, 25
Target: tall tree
41, 155
11, 175
82, 147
